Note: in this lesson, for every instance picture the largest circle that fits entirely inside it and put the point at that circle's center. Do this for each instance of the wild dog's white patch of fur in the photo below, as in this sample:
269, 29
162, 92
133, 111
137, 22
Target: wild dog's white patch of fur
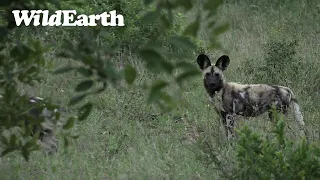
242, 94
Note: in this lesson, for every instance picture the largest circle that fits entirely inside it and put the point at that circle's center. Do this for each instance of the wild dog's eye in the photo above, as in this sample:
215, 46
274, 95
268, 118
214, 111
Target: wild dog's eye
207, 74
217, 74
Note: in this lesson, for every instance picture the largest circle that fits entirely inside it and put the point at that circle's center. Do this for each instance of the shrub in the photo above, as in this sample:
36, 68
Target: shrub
275, 157
152, 35
263, 157
130, 37
280, 65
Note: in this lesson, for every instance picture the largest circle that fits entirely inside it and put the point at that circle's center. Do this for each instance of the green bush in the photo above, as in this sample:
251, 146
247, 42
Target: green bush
275, 157
280, 65
261, 156
154, 35
130, 37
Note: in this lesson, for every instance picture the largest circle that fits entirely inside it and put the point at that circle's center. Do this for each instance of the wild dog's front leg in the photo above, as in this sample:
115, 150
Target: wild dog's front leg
211, 95
211, 100
230, 126
229, 119
228, 123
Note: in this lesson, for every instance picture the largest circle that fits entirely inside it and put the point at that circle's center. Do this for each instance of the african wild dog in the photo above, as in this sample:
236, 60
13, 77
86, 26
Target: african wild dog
45, 130
46, 134
248, 100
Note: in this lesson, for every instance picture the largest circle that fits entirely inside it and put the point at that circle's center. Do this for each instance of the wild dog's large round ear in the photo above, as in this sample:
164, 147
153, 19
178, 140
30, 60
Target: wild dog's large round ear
203, 61
223, 62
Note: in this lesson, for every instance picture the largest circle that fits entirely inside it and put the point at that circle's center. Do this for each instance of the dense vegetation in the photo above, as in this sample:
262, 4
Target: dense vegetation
147, 120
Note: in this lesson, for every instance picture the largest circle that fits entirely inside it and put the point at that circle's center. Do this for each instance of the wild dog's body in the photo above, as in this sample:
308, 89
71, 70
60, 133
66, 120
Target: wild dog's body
253, 100
46, 135
247, 100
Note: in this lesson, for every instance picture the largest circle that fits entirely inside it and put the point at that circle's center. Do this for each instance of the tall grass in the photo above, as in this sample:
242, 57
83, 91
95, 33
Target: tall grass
126, 139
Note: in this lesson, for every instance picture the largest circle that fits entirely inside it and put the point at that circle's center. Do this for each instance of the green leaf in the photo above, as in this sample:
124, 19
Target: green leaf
30, 143
160, 84
66, 142
102, 74
76, 99
57, 115
167, 66
4, 140
147, 2
70, 123
193, 28
13, 140
155, 90
20, 52
211, 24
32, 69
75, 136
63, 70
25, 154
7, 151
182, 42
212, 6
155, 60
166, 97
86, 72
84, 111
56, 3
84, 85
130, 74
5, 3
187, 74
150, 17
3, 32
221, 29
187, 4
66, 54
87, 59
101, 89
150, 53
165, 22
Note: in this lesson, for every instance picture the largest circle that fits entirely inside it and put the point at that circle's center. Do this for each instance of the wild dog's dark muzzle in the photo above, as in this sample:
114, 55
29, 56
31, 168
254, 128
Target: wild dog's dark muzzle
217, 83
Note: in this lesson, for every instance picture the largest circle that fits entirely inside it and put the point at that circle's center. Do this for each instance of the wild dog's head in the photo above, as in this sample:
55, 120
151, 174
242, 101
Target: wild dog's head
213, 75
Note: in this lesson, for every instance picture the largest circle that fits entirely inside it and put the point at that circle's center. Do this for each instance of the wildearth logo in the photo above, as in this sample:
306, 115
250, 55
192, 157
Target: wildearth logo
66, 18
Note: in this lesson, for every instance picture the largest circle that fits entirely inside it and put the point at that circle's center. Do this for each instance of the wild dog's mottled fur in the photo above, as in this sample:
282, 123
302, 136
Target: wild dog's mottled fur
46, 134
45, 130
248, 100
